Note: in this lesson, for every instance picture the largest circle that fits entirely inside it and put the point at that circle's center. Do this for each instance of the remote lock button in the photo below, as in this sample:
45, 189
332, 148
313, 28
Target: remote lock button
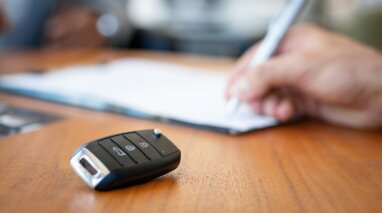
159, 141
130, 149
143, 145
116, 152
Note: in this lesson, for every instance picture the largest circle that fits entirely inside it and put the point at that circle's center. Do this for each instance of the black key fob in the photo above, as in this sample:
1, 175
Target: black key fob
125, 159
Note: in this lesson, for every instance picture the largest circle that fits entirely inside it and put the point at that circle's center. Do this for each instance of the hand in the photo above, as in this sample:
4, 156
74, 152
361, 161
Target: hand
73, 27
318, 74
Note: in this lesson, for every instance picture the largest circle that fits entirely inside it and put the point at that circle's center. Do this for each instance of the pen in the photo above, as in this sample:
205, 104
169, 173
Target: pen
276, 32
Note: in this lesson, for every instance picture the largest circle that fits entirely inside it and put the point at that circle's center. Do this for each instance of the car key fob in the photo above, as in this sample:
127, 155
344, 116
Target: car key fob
125, 159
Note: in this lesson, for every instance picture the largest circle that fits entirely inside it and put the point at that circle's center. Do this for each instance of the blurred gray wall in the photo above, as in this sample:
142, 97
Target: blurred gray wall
359, 19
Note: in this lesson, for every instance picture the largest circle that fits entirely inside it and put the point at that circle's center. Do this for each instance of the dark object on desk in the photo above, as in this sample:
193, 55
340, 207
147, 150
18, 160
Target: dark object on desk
15, 120
125, 159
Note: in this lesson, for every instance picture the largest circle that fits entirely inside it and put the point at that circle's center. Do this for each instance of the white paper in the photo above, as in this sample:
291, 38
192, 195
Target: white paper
170, 91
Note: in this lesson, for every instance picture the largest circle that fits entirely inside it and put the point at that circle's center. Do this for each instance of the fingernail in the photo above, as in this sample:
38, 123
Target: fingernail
284, 111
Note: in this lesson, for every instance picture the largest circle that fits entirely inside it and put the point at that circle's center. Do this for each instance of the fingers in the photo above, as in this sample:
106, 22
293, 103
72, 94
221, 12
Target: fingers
288, 70
299, 39
285, 104
292, 66
275, 105
285, 110
239, 69
263, 91
245, 59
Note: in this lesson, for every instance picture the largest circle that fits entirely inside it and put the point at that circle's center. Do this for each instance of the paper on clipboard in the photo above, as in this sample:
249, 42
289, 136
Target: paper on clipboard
142, 87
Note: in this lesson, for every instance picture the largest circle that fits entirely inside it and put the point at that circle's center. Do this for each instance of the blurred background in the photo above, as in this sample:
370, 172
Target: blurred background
209, 27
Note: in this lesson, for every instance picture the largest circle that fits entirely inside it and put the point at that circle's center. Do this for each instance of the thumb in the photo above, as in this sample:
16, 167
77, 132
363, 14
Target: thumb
239, 70
280, 71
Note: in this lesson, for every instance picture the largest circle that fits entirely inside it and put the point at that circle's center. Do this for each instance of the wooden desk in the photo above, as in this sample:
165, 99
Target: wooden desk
305, 167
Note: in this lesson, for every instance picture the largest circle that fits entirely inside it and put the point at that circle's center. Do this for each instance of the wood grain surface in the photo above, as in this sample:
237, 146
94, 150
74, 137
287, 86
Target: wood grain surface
302, 167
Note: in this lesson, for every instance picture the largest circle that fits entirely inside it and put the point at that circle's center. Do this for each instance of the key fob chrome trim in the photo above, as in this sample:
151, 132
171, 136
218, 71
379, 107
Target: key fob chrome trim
92, 180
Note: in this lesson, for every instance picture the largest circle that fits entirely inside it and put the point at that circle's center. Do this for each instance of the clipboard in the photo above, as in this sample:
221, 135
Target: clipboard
143, 89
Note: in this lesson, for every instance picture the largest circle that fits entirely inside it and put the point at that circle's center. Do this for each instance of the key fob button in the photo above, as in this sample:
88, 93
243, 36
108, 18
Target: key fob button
116, 152
159, 141
130, 149
143, 145
104, 156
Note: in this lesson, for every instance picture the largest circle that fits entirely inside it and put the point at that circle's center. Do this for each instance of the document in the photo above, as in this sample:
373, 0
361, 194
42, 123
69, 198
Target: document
142, 88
